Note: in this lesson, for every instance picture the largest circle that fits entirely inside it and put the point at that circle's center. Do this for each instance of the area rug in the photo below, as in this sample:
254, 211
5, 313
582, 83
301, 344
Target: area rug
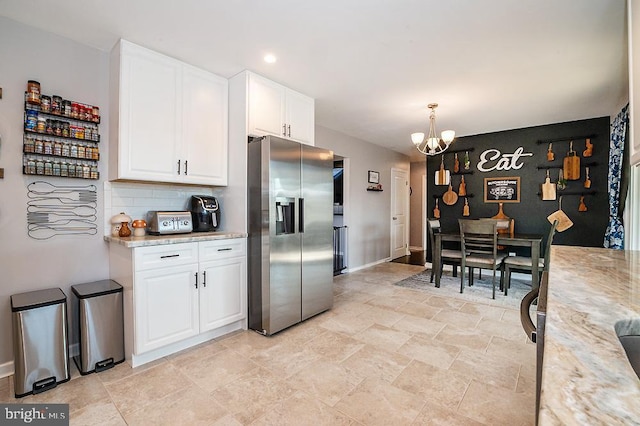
479, 292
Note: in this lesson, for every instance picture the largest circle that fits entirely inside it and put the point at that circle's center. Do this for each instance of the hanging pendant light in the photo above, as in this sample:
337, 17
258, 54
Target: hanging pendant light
432, 144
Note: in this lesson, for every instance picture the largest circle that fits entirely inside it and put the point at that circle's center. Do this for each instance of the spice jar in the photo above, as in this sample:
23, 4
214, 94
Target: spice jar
42, 125
33, 92
45, 103
56, 104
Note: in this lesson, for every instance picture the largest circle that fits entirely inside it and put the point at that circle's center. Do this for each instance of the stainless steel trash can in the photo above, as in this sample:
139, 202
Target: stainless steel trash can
40, 340
100, 325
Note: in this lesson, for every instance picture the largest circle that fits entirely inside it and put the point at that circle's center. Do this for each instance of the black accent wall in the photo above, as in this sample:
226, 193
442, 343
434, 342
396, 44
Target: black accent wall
531, 212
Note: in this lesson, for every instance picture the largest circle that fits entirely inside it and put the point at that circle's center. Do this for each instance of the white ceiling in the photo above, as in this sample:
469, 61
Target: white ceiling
373, 65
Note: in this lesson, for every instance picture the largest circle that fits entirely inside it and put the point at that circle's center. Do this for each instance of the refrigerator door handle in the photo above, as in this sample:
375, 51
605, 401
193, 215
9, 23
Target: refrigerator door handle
301, 215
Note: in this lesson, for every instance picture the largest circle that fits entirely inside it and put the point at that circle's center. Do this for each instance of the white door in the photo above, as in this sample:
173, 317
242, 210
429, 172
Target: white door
149, 106
166, 306
223, 293
204, 130
399, 213
300, 118
266, 107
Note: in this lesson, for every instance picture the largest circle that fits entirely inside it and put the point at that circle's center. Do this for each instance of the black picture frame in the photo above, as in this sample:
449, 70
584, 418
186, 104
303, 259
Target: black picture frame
374, 177
502, 189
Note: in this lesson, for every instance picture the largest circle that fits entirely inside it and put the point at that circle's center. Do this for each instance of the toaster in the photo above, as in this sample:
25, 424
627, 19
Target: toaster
169, 222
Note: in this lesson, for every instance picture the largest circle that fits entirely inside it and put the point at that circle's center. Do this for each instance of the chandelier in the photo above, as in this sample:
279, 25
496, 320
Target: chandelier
432, 144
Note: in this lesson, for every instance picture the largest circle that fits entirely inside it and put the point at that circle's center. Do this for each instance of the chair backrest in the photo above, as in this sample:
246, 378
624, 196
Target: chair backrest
547, 251
433, 225
504, 226
479, 236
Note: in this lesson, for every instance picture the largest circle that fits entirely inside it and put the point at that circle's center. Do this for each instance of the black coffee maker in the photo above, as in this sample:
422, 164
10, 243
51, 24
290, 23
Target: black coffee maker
205, 213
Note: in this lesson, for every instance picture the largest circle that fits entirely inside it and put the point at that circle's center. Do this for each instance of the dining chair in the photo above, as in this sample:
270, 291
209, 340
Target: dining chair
525, 264
449, 256
479, 240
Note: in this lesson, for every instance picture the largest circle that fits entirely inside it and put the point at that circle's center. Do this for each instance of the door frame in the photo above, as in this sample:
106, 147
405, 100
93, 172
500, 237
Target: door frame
423, 205
395, 170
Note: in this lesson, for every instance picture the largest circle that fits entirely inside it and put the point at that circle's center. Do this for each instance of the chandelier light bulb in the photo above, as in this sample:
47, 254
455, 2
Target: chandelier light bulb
433, 145
417, 138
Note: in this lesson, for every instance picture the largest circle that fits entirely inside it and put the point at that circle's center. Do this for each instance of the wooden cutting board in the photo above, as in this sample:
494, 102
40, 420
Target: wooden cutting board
548, 189
588, 152
450, 197
571, 165
443, 177
587, 180
436, 211
564, 222
462, 189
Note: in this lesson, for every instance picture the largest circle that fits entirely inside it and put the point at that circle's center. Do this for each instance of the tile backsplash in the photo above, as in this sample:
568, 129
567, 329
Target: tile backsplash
136, 199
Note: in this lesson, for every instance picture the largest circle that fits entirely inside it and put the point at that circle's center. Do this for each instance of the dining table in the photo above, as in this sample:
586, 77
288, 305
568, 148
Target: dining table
533, 241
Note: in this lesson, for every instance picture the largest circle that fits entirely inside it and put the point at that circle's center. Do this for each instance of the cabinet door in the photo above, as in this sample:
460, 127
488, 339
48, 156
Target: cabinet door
223, 294
166, 306
300, 118
204, 127
266, 107
148, 120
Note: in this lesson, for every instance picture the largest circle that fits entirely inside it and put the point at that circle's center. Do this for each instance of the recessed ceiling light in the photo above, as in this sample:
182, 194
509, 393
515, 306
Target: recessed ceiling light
270, 59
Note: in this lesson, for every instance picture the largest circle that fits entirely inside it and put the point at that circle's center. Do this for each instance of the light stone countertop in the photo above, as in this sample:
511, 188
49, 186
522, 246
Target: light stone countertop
586, 378
156, 240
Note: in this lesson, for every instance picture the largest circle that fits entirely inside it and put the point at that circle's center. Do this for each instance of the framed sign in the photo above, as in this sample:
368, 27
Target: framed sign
502, 190
374, 177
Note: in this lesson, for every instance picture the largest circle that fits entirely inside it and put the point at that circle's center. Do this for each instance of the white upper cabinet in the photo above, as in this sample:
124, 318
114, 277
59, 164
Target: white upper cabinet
279, 111
168, 119
204, 131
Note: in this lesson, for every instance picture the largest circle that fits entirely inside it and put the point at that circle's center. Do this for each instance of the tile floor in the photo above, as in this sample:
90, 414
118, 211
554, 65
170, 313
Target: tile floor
384, 355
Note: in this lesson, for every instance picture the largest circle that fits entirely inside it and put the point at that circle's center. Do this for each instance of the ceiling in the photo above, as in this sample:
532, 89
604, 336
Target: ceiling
374, 65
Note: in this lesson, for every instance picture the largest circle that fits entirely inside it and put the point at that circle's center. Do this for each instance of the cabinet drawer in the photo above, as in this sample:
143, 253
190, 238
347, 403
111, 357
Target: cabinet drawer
165, 255
222, 249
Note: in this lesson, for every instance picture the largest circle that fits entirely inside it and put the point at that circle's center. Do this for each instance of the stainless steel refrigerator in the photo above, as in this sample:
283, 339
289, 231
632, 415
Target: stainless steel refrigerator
290, 204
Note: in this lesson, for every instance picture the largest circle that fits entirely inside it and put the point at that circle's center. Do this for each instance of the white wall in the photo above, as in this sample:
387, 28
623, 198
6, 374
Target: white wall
75, 72
369, 213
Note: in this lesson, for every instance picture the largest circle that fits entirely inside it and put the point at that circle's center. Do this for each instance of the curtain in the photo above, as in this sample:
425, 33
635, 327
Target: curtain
614, 236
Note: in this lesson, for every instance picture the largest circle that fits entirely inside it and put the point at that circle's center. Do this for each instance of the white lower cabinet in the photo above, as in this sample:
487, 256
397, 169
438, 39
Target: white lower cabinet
223, 297
166, 306
179, 295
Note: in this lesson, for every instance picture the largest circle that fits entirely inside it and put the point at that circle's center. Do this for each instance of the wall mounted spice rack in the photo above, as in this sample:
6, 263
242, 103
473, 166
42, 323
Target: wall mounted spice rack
60, 140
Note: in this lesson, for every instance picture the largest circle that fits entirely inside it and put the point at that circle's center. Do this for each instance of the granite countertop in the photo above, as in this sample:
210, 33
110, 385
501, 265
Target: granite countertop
586, 377
156, 240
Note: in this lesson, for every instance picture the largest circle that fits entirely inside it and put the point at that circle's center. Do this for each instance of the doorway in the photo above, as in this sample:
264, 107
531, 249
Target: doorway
399, 213
340, 197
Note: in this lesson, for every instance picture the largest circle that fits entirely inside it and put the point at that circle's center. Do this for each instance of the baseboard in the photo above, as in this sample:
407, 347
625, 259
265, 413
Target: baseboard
416, 248
368, 265
6, 369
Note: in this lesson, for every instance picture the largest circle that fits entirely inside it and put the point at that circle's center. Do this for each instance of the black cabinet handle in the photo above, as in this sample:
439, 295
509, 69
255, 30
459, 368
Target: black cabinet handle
166, 256
225, 249
178, 166
204, 278
289, 127
186, 166
196, 274
284, 130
